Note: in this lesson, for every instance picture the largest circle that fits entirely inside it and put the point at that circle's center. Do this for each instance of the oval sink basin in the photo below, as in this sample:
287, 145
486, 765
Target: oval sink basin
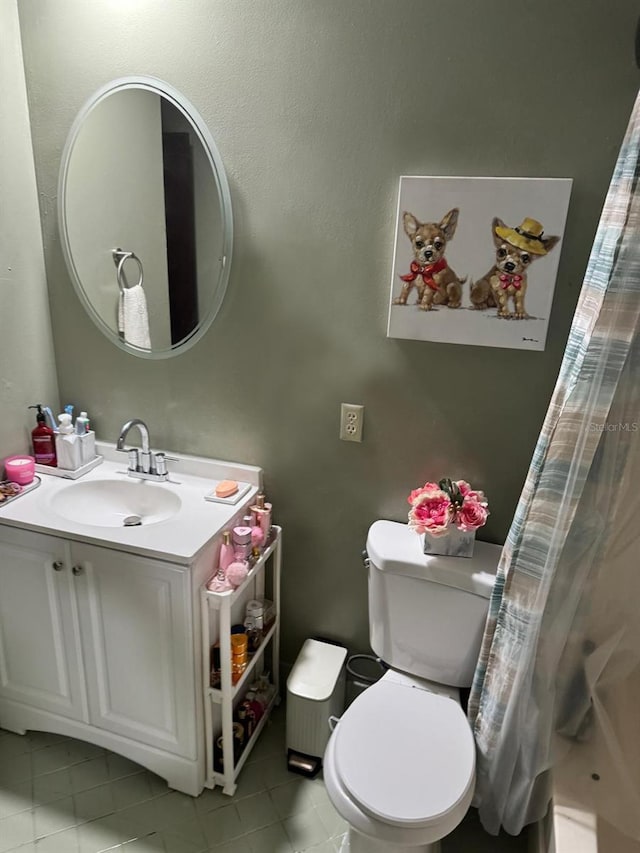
107, 503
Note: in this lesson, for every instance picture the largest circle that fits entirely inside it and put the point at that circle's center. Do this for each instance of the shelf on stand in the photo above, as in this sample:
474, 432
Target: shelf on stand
219, 777
216, 692
221, 699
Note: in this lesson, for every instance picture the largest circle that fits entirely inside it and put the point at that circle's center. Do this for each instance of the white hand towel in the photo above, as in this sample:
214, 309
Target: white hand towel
133, 320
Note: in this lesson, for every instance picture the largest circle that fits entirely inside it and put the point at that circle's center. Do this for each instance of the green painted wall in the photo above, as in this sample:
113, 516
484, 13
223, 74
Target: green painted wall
317, 108
27, 366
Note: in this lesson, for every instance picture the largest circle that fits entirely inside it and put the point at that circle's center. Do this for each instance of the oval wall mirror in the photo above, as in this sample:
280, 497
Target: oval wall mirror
145, 220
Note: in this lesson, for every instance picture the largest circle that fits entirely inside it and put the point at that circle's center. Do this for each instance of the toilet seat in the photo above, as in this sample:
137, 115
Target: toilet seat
406, 755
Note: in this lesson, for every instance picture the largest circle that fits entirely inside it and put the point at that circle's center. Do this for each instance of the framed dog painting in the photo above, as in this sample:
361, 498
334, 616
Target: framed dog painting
476, 259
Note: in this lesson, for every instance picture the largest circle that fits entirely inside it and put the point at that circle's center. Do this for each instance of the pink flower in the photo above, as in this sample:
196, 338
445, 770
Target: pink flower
467, 492
416, 494
430, 511
472, 514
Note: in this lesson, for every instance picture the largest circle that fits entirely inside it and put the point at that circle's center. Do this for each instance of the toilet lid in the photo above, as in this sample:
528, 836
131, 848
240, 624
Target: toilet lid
406, 756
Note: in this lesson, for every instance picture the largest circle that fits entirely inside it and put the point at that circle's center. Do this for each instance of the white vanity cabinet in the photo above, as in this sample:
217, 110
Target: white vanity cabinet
136, 637
103, 638
40, 649
101, 623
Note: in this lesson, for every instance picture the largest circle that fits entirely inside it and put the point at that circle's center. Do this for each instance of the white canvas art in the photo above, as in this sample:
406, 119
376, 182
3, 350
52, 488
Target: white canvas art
476, 259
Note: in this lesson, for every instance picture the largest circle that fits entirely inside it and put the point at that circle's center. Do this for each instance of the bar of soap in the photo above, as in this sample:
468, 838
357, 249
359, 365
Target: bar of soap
226, 488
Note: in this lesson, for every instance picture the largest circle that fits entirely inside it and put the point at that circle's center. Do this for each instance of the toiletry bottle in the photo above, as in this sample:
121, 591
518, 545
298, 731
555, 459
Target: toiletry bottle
66, 427
262, 515
82, 423
226, 551
49, 417
242, 542
257, 541
218, 582
67, 444
43, 439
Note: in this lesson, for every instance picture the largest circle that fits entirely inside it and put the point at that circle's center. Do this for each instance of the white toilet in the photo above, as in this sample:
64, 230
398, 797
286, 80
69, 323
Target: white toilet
400, 764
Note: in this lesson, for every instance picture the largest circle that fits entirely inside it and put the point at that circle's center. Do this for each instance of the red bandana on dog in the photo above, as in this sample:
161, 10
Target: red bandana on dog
508, 280
427, 272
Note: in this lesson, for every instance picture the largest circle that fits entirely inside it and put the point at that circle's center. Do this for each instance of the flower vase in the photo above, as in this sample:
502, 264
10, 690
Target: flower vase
457, 543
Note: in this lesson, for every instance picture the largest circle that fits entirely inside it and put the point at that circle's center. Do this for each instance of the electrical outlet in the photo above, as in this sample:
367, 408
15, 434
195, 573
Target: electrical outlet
351, 419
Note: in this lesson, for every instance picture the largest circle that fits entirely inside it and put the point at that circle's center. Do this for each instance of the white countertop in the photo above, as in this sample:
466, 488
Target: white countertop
178, 539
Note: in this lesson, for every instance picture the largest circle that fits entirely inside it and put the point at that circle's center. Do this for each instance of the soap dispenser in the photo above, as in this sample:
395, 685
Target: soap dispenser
43, 440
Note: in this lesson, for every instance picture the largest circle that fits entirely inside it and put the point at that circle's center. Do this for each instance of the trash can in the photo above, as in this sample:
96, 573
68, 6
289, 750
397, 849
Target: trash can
362, 672
315, 692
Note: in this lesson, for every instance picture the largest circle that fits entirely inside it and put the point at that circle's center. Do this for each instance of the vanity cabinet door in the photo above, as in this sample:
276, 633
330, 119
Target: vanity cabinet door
138, 641
40, 657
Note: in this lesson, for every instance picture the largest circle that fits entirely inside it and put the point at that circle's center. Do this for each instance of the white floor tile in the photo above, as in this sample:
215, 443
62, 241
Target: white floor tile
222, 825
50, 758
16, 768
16, 830
15, 797
292, 798
152, 843
333, 823
38, 740
305, 829
131, 790
210, 800
240, 845
89, 773
51, 787
101, 834
12, 745
257, 812
53, 817
273, 839
60, 795
94, 803
120, 766
62, 842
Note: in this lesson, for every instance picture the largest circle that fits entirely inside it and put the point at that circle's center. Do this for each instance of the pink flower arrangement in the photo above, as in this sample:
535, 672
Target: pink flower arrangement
436, 507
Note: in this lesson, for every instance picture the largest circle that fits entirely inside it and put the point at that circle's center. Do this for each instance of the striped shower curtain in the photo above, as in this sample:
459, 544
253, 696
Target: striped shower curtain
561, 645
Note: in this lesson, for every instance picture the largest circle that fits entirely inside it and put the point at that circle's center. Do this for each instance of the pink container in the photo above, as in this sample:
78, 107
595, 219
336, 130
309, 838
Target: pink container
20, 469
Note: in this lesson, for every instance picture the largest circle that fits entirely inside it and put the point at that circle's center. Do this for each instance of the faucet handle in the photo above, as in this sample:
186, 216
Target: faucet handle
160, 464
133, 458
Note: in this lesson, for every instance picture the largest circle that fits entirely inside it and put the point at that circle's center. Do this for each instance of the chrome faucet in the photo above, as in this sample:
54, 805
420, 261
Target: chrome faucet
144, 463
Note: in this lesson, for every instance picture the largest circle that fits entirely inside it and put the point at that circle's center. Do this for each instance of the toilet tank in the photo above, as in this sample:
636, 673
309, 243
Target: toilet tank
427, 613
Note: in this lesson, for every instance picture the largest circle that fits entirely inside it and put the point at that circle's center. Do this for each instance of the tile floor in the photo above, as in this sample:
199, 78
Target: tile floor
64, 796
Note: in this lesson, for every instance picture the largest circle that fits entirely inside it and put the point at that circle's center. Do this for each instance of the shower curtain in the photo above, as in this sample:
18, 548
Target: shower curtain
558, 677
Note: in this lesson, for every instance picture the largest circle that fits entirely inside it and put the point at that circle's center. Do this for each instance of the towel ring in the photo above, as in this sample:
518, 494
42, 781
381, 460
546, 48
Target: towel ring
119, 259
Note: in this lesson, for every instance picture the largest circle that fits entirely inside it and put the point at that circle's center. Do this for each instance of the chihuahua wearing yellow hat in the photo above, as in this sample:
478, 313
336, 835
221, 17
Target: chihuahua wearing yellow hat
516, 249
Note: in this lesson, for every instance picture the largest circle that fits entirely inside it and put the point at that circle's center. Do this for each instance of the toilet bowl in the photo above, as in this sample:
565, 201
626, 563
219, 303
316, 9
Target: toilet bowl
400, 765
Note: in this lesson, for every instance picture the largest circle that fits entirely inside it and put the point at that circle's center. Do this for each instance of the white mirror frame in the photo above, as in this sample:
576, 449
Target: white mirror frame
158, 87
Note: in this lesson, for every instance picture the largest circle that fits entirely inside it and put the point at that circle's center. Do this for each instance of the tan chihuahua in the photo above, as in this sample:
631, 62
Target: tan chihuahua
516, 249
430, 274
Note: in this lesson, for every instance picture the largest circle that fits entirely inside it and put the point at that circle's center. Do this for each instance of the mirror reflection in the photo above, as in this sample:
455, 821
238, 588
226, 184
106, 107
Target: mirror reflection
145, 217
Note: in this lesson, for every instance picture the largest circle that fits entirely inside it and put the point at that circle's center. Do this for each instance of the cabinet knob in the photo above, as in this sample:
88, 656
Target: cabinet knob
58, 566
77, 570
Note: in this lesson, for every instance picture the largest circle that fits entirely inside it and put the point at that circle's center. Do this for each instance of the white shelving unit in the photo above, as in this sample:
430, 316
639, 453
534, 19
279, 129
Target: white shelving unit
221, 610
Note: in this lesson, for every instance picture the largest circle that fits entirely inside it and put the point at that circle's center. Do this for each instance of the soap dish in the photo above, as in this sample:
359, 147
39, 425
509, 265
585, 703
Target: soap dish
66, 473
243, 488
12, 495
